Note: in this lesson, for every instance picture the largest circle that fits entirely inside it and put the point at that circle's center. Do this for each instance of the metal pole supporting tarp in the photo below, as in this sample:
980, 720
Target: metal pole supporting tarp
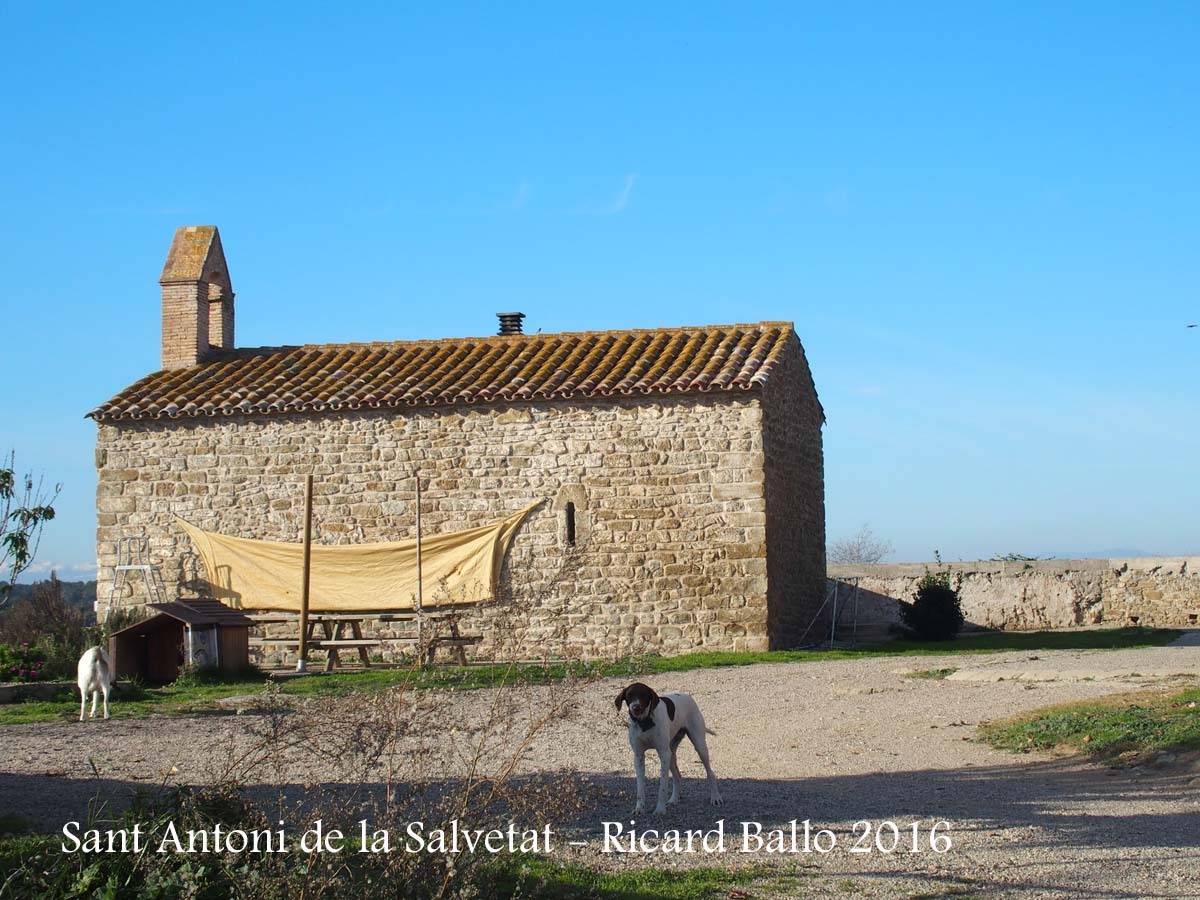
420, 594
302, 661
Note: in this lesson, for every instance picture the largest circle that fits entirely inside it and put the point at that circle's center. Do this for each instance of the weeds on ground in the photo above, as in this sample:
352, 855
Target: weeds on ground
935, 674
393, 756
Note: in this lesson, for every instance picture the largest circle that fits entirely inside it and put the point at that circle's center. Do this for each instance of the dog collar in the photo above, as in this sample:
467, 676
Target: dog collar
648, 722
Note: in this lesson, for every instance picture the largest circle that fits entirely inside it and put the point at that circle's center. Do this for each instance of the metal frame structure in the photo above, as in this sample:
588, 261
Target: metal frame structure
832, 591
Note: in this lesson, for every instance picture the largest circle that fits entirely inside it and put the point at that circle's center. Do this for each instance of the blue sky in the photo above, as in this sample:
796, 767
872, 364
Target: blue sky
983, 219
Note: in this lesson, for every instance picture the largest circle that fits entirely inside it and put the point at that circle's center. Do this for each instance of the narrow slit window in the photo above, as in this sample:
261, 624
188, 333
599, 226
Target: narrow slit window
570, 524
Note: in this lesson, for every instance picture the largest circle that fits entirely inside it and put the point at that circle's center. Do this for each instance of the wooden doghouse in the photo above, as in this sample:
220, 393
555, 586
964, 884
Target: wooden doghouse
206, 634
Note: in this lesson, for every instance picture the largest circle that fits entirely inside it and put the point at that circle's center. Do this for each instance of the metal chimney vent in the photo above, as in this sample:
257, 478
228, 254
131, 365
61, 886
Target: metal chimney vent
510, 322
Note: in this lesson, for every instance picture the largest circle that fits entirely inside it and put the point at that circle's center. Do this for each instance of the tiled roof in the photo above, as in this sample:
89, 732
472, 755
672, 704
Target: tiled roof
312, 378
205, 610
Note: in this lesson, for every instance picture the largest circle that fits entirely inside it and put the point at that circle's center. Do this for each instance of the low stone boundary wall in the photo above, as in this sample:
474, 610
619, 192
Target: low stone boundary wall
1161, 591
16, 692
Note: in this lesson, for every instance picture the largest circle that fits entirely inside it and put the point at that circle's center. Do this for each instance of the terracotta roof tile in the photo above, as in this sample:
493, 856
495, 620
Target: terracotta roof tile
274, 380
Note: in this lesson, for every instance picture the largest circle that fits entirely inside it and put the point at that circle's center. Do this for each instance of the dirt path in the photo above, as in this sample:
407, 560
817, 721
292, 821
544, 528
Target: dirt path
835, 743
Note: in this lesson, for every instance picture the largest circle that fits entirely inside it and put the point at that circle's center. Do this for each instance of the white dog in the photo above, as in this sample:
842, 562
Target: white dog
95, 678
662, 723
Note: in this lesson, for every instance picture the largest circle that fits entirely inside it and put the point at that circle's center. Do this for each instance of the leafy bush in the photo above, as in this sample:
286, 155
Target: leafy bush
935, 613
21, 662
46, 620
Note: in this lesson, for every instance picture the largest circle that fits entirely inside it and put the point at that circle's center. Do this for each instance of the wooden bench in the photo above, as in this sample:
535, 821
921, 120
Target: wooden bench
457, 645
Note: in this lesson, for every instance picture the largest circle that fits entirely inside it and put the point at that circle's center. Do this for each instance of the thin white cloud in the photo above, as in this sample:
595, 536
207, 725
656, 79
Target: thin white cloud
620, 201
622, 198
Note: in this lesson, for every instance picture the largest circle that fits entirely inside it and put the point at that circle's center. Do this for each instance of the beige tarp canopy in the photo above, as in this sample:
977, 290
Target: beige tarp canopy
460, 567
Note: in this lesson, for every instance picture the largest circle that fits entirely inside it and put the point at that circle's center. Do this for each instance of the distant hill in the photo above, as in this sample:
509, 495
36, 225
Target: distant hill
1103, 553
75, 593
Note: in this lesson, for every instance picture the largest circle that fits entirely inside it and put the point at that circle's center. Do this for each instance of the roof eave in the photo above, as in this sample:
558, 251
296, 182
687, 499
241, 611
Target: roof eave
102, 418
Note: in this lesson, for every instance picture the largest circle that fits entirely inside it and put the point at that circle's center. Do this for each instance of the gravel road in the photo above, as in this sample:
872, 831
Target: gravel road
836, 743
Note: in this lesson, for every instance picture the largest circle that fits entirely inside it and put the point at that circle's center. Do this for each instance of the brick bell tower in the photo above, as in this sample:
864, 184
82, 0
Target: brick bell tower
197, 297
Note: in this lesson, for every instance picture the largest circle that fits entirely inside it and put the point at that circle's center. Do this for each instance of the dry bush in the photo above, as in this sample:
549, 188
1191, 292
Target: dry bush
860, 549
395, 757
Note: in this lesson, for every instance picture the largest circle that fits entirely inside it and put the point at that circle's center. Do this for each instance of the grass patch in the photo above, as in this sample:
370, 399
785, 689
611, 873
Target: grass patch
1001, 641
199, 694
987, 642
538, 878
1120, 728
130, 701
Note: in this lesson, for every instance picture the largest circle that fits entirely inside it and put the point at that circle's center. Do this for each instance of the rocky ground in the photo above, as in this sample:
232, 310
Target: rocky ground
836, 743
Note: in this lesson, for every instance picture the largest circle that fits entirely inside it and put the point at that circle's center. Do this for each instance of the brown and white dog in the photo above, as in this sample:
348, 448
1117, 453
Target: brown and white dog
661, 723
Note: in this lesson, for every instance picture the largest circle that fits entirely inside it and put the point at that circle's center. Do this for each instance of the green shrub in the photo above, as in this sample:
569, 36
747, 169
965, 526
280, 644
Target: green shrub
21, 662
935, 613
193, 676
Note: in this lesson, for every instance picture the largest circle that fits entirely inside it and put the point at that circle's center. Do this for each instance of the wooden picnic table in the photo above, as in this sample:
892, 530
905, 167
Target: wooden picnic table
333, 626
